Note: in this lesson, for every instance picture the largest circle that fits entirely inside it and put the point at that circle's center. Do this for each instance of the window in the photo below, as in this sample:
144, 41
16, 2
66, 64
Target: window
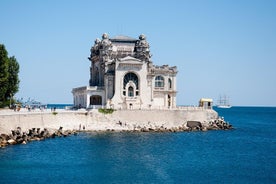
130, 91
131, 77
159, 81
169, 100
131, 85
170, 83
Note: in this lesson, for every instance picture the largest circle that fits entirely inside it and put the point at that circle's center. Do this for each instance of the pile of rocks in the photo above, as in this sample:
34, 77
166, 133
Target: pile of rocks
35, 134
219, 124
216, 124
161, 128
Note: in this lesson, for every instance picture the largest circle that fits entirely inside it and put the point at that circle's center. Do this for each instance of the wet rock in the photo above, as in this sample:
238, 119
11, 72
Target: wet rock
18, 131
38, 131
4, 136
13, 133
34, 134
11, 141
19, 140
144, 129
219, 124
204, 129
151, 129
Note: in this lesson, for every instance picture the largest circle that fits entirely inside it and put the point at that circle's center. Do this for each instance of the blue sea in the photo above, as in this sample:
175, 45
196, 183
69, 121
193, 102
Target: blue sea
246, 154
59, 106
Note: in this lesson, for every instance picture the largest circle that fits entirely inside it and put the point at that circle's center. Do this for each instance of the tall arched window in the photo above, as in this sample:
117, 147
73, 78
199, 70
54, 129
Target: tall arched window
170, 83
130, 91
131, 77
131, 85
159, 81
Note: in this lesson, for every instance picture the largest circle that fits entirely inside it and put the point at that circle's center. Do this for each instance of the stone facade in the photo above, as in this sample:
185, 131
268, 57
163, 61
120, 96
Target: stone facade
122, 76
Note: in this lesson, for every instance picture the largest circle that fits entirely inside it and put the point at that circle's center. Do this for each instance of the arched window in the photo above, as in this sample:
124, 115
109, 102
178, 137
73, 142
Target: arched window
131, 85
131, 77
159, 81
170, 83
130, 91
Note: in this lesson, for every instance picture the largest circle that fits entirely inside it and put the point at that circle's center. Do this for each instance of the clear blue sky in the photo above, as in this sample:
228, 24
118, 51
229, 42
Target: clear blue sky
219, 46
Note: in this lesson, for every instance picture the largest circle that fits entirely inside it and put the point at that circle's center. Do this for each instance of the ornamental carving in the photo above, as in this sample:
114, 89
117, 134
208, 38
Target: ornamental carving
142, 49
95, 50
101, 48
106, 46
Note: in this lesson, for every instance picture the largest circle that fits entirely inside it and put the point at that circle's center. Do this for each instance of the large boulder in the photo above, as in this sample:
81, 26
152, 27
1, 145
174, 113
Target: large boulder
11, 141
5, 137
18, 131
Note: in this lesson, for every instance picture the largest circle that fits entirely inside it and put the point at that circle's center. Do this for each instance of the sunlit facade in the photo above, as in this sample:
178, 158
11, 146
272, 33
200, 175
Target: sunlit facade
122, 76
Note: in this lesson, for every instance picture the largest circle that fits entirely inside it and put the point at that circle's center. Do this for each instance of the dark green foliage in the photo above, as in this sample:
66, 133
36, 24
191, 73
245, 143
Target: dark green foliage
106, 111
9, 81
54, 113
4, 68
13, 76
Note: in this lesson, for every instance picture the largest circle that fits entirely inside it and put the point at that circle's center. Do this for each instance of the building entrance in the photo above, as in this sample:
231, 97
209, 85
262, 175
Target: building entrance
96, 100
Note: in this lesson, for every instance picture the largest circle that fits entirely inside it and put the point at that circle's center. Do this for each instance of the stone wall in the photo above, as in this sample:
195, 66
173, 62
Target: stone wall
93, 120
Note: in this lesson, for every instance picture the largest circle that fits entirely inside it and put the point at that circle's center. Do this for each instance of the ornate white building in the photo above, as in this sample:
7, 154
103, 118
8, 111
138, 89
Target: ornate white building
122, 76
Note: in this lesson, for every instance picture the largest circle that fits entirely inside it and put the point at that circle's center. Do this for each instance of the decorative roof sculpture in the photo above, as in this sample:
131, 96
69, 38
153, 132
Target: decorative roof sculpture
120, 46
95, 49
142, 49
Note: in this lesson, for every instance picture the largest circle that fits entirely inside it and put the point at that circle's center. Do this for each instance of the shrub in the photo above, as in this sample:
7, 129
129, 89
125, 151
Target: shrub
106, 111
54, 113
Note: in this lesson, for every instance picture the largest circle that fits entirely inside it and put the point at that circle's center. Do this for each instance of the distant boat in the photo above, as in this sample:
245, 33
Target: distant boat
223, 102
34, 104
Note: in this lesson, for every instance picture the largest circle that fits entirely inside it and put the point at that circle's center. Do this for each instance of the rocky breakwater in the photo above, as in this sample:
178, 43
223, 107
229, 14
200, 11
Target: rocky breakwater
35, 134
216, 124
165, 120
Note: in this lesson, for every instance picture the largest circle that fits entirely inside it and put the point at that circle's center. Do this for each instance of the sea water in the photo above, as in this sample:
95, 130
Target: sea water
59, 106
246, 154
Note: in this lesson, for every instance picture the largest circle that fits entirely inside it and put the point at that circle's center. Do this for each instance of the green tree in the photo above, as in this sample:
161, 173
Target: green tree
4, 73
13, 79
9, 80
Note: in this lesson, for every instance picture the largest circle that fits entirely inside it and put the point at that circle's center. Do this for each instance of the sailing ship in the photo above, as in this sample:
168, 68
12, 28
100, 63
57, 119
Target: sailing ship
223, 102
